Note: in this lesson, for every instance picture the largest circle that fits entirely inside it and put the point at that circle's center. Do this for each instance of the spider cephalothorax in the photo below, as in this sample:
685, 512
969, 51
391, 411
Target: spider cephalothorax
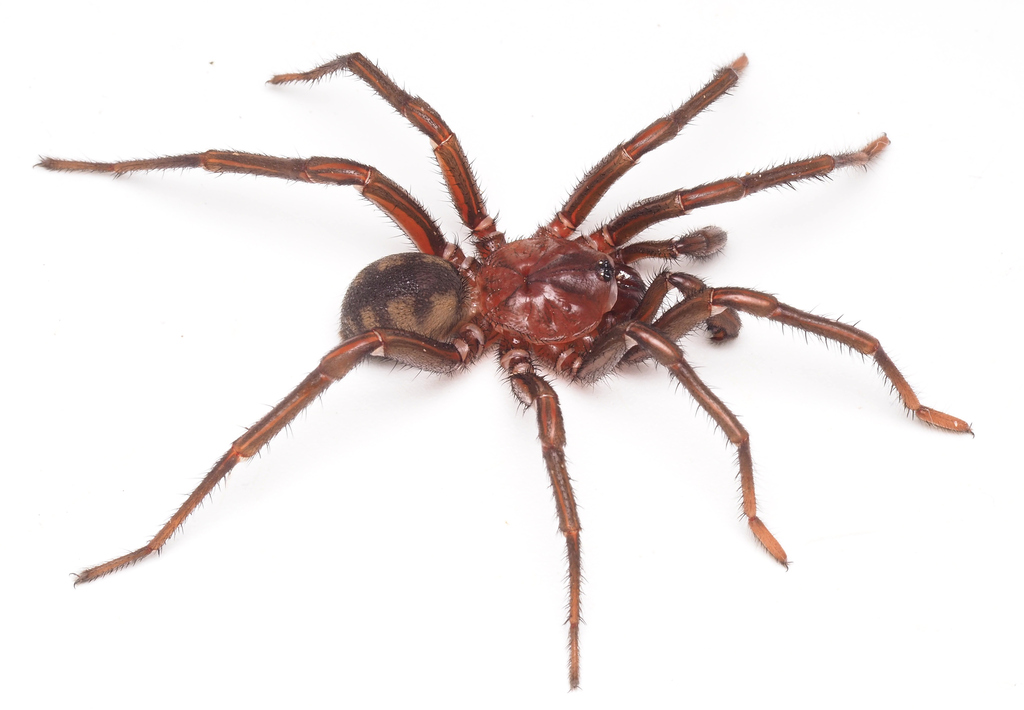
546, 290
571, 303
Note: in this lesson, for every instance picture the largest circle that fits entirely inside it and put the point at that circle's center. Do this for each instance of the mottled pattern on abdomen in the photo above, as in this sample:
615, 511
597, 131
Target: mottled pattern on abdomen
416, 292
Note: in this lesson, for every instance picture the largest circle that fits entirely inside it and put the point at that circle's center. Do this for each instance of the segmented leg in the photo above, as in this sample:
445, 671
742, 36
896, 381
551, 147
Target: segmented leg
397, 345
705, 301
647, 212
458, 175
602, 176
395, 202
534, 391
607, 353
766, 306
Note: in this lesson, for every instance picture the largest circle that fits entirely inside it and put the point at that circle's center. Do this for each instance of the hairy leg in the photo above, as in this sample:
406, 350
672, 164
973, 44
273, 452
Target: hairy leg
398, 345
648, 212
395, 202
458, 176
617, 163
534, 391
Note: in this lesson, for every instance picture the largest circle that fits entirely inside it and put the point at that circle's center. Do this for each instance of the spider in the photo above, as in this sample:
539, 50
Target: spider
567, 301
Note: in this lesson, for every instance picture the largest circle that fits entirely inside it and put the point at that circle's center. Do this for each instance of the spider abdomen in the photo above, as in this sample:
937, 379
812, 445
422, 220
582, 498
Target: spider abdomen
415, 292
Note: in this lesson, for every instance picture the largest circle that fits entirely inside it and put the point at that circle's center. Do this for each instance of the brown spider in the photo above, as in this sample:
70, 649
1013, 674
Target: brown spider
571, 303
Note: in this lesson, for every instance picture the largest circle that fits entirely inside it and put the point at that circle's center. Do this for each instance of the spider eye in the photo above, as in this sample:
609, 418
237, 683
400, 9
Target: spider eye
605, 270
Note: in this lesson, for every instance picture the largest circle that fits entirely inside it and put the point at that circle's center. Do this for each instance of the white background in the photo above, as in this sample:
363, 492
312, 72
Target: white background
398, 546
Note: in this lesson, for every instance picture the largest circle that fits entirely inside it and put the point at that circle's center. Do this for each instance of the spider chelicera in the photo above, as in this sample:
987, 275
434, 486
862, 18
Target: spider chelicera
569, 302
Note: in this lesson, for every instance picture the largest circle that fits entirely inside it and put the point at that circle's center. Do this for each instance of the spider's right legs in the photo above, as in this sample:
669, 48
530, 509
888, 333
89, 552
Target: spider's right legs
395, 202
633, 220
602, 176
534, 391
398, 345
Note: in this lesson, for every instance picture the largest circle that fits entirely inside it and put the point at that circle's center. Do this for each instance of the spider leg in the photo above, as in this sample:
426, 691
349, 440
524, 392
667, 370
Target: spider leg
398, 345
602, 176
607, 353
458, 175
395, 202
764, 305
647, 212
705, 301
534, 391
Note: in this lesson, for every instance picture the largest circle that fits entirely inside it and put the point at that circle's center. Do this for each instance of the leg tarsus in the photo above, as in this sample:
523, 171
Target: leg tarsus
768, 541
864, 155
572, 543
942, 420
98, 571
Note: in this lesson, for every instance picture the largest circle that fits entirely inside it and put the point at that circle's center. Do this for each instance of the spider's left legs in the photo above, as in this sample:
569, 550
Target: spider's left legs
608, 352
534, 391
458, 175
